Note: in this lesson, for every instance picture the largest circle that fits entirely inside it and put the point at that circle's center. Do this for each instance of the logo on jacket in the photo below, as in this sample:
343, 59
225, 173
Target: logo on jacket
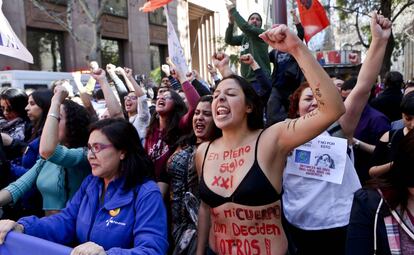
245, 46
114, 212
111, 221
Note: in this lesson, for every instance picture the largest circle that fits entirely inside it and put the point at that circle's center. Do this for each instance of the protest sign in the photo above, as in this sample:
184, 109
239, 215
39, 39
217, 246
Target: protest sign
10, 44
175, 51
322, 158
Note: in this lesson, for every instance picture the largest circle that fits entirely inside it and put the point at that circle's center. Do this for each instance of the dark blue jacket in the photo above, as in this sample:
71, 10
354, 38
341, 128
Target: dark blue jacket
128, 222
360, 235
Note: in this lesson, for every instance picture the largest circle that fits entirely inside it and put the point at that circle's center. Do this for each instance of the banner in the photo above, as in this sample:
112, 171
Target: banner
175, 51
322, 158
313, 17
152, 5
21, 244
10, 44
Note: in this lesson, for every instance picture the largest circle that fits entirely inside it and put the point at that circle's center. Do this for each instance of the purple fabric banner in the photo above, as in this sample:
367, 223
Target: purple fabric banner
21, 244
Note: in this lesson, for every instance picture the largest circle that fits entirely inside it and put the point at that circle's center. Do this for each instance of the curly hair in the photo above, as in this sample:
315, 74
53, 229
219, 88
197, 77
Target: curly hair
77, 122
136, 166
294, 100
173, 132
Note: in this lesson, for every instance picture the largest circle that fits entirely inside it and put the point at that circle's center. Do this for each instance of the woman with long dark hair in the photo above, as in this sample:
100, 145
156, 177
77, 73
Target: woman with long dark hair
25, 154
63, 165
117, 210
184, 179
170, 121
386, 148
13, 102
241, 188
37, 108
382, 216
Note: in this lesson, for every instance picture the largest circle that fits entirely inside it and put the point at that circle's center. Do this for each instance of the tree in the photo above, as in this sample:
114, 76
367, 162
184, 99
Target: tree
392, 9
65, 20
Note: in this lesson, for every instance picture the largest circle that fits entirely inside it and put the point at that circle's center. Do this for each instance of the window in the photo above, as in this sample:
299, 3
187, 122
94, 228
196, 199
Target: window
112, 52
58, 2
155, 57
47, 49
158, 54
157, 17
35, 86
117, 8
112, 7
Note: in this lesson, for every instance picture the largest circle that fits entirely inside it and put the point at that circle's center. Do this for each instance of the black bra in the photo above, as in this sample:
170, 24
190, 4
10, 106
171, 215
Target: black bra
254, 190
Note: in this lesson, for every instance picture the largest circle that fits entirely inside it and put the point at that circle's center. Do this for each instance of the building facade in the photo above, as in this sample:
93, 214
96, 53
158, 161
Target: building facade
129, 37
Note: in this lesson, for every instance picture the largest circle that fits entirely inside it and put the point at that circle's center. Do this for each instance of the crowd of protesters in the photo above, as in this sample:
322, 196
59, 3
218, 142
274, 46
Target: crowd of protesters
189, 167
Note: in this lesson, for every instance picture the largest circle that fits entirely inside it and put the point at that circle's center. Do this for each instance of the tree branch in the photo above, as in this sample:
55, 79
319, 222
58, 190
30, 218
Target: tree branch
405, 6
87, 11
56, 18
359, 32
350, 11
69, 9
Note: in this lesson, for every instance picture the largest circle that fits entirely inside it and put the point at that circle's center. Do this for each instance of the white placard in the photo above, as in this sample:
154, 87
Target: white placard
322, 158
175, 51
10, 44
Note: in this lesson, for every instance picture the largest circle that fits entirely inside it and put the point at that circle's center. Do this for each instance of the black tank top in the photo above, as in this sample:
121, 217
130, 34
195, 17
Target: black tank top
254, 190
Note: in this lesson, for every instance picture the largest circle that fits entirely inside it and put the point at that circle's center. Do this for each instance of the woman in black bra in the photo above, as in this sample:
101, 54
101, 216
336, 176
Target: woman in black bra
241, 172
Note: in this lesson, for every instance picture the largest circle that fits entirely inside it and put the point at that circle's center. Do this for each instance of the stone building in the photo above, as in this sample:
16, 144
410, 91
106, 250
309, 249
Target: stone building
129, 37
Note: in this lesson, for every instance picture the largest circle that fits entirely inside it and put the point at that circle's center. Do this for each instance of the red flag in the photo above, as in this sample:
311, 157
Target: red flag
313, 17
151, 5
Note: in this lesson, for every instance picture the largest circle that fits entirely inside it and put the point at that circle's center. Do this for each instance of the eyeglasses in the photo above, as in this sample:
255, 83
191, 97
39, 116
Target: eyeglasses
98, 147
164, 97
130, 98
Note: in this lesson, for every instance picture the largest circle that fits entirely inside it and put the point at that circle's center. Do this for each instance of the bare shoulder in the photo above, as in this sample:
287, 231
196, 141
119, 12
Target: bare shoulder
202, 148
271, 135
199, 155
385, 137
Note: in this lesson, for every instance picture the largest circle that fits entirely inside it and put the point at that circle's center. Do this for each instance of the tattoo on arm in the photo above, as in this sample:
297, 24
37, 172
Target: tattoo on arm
293, 122
318, 92
310, 114
318, 95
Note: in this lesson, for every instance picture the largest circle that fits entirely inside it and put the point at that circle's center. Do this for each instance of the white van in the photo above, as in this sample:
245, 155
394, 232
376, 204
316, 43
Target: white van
29, 80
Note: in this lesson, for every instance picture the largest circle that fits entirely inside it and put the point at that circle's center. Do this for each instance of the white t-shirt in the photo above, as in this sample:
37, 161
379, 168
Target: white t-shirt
312, 204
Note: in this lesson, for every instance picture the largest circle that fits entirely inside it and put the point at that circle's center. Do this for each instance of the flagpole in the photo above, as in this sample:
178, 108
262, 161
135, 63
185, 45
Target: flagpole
280, 11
